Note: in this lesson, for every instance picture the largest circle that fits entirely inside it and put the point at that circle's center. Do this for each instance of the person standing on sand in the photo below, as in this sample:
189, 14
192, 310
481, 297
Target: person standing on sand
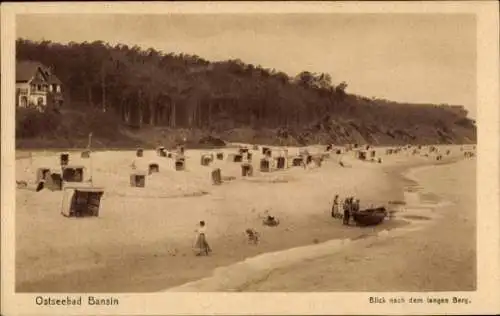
347, 209
335, 207
355, 206
201, 245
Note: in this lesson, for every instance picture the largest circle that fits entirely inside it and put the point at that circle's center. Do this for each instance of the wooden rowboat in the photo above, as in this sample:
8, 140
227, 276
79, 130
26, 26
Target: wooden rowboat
370, 217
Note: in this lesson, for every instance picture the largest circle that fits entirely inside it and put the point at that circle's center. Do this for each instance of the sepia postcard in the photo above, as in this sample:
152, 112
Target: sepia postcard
250, 158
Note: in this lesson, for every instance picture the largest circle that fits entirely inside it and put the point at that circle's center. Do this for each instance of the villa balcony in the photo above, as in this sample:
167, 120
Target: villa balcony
38, 92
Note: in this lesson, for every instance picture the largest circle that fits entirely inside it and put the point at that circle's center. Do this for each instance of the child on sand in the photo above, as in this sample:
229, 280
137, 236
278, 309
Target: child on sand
201, 245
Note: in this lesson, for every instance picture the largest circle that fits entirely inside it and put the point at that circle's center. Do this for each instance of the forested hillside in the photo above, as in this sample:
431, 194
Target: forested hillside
126, 95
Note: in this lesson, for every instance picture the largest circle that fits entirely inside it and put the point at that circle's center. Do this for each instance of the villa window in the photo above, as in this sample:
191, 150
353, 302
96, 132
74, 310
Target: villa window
24, 101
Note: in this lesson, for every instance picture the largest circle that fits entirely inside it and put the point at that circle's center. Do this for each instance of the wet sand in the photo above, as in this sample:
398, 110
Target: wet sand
439, 257
142, 240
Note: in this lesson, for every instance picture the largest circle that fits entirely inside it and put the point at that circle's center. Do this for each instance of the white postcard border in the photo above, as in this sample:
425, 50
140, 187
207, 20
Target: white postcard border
484, 300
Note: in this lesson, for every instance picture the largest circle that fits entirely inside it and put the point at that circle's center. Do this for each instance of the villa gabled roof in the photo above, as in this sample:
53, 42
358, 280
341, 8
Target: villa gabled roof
53, 79
26, 69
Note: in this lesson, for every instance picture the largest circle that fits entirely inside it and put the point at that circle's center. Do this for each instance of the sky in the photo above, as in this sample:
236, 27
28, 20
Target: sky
412, 58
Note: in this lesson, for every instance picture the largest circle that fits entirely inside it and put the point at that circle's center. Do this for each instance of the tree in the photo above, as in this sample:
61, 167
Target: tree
150, 87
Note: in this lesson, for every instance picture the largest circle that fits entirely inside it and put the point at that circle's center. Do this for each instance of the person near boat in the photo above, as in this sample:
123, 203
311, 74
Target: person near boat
270, 221
347, 210
355, 206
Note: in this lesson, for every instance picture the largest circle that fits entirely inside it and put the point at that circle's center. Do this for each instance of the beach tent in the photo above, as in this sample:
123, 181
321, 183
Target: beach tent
235, 157
80, 202
72, 173
246, 170
216, 176
139, 152
160, 151
205, 160
54, 182
238, 158
220, 156
153, 168
85, 154
243, 150
280, 162
297, 161
138, 179
264, 165
180, 164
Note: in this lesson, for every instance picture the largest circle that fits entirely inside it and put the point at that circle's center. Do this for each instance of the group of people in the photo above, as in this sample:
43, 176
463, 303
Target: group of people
349, 206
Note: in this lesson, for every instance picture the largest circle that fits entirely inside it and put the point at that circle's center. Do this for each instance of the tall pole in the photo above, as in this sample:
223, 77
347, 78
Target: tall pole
89, 142
88, 148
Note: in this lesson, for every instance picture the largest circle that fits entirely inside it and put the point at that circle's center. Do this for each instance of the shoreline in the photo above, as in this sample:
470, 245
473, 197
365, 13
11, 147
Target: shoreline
154, 261
257, 269
422, 270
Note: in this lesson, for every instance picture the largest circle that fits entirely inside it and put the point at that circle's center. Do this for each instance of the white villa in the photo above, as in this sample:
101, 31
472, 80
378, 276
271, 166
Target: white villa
37, 86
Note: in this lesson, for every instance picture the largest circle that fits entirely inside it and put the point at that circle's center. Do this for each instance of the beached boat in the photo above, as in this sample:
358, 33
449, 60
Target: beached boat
370, 216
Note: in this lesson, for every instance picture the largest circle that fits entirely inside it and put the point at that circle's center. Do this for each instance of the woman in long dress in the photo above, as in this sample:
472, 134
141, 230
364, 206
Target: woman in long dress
201, 245
335, 207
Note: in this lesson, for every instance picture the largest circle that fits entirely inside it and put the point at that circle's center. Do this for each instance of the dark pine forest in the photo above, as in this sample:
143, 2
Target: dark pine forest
127, 96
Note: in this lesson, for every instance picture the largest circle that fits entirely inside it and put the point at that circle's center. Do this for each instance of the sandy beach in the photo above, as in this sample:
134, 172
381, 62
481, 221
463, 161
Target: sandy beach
142, 240
439, 257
